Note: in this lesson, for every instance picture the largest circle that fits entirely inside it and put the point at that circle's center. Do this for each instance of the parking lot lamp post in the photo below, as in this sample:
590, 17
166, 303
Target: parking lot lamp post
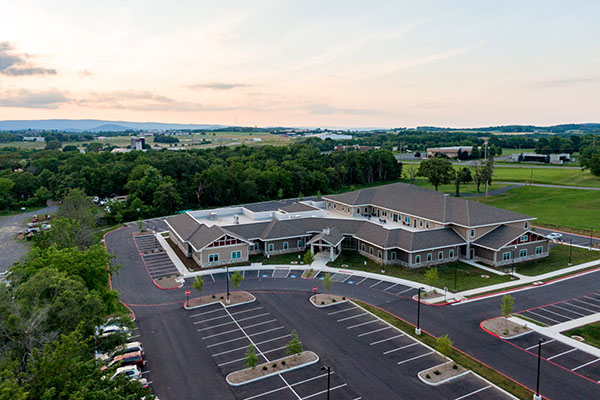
227, 267
418, 328
537, 396
328, 369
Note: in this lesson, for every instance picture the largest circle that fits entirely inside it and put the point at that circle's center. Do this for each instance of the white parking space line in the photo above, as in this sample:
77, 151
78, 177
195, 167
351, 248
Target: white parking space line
584, 365
219, 334
404, 291
389, 287
215, 326
566, 309
555, 313
245, 311
364, 279
339, 311
560, 354
576, 306
400, 348
375, 284
293, 384
376, 330
473, 392
265, 393
364, 323
589, 304
213, 278
267, 331
543, 343
252, 317
134, 337
210, 319
226, 341
260, 323
145, 372
243, 358
324, 391
385, 340
592, 298
414, 358
245, 347
352, 317
543, 316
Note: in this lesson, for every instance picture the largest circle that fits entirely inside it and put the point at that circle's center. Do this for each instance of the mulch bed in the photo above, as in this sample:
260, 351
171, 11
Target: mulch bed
168, 282
273, 367
324, 299
444, 371
234, 297
504, 328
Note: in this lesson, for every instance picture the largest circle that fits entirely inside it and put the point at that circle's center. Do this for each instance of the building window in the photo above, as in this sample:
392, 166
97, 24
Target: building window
370, 250
236, 255
417, 259
342, 208
285, 245
427, 224
539, 250
271, 247
523, 253
526, 224
472, 234
213, 258
379, 253
451, 253
506, 256
334, 205
440, 255
300, 243
523, 238
407, 219
420, 223
393, 255
429, 257
256, 246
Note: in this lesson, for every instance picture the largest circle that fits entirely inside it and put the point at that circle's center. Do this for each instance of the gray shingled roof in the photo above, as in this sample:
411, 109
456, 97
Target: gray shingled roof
205, 235
414, 200
499, 237
184, 224
334, 237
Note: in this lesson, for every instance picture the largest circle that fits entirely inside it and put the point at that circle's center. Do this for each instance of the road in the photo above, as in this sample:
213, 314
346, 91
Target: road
178, 359
11, 249
474, 162
581, 240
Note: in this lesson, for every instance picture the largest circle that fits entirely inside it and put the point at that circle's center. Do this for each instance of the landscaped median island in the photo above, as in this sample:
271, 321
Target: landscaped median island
271, 368
589, 334
235, 298
504, 328
324, 299
169, 282
442, 373
458, 356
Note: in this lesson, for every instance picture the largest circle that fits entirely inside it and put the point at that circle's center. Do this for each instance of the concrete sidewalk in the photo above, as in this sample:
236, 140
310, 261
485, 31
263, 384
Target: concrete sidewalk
172, 255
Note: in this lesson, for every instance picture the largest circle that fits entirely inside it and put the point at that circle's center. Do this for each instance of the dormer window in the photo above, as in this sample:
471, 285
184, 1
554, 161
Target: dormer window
526, 224
472, 233
524, 238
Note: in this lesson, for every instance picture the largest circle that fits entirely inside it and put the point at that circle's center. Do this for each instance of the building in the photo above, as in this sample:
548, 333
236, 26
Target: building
397, 224
450, 152
138, 143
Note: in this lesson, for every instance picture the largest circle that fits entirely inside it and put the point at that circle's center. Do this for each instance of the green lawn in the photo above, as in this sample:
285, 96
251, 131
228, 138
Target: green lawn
278, 259
558, 259
568, 209
455, 354
467, 276
590, 332
550, 175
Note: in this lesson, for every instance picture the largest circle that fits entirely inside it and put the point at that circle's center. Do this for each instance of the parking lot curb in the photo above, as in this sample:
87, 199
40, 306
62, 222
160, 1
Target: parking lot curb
425, 381
220, 302
326, 305
274, 373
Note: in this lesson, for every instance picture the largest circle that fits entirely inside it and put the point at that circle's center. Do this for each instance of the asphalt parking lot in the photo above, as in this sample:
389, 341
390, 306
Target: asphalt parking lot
563, 311
158, 263
403, 355
562, 355
227, 333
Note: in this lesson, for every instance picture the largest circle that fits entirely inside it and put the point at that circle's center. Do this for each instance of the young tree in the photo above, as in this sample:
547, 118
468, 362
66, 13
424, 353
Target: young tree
461, 176
411, 173
250, 357
294, 346
198, 283
327, 282
507, 306
236, 279
437, 170
308, 257
479, 176
475, 154
443, 344
431, 277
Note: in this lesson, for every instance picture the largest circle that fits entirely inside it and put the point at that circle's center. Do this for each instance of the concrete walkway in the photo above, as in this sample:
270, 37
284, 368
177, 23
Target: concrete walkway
488, 269
172, 255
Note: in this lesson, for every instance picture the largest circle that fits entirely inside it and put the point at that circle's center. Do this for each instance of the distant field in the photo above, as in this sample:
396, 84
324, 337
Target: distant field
569, 209
552, 176
465, 188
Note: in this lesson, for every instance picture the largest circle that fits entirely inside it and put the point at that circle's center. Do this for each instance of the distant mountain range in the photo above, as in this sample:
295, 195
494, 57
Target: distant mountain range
95, 125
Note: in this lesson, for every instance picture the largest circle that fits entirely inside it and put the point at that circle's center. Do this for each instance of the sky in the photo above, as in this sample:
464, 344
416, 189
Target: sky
339, 63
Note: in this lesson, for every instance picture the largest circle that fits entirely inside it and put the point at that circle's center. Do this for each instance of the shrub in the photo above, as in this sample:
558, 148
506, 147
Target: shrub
283, 362
517, 328
343, 298
221, 297
428, 376
333, 300
275, 365
436, 372
322, 302
214, 297
505, 331
455, 366
264, 368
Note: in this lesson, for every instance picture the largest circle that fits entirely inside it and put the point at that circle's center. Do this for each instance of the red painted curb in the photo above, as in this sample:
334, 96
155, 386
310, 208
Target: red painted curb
108, 269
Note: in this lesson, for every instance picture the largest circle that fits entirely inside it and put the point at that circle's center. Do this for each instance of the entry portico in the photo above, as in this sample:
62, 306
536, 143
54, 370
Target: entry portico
330, 238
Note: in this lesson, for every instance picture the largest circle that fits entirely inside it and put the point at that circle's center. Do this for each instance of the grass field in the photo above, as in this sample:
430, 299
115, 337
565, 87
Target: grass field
590, 332
551, 175
278, 259
567, 209
467, 276
558, 259
456, 355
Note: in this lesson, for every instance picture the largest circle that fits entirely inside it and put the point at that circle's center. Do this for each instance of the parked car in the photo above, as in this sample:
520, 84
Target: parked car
112, 325
133, 358
46, 227
555, 236
126, 348
132, 372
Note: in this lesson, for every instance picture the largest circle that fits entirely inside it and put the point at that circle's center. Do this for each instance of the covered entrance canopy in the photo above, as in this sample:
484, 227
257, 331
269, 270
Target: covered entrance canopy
330, 238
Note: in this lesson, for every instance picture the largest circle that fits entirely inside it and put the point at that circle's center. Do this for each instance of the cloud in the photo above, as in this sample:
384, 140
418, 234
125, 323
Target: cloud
24, 98
324, 109
217, 85
85, 73
566, 82
17, 64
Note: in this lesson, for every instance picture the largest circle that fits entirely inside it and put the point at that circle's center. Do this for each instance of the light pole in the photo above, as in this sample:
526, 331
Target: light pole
537, 396
418, 328
227, 268
328, 369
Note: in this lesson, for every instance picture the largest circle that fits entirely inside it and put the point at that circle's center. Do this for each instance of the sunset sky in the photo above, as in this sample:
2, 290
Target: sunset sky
302, 63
